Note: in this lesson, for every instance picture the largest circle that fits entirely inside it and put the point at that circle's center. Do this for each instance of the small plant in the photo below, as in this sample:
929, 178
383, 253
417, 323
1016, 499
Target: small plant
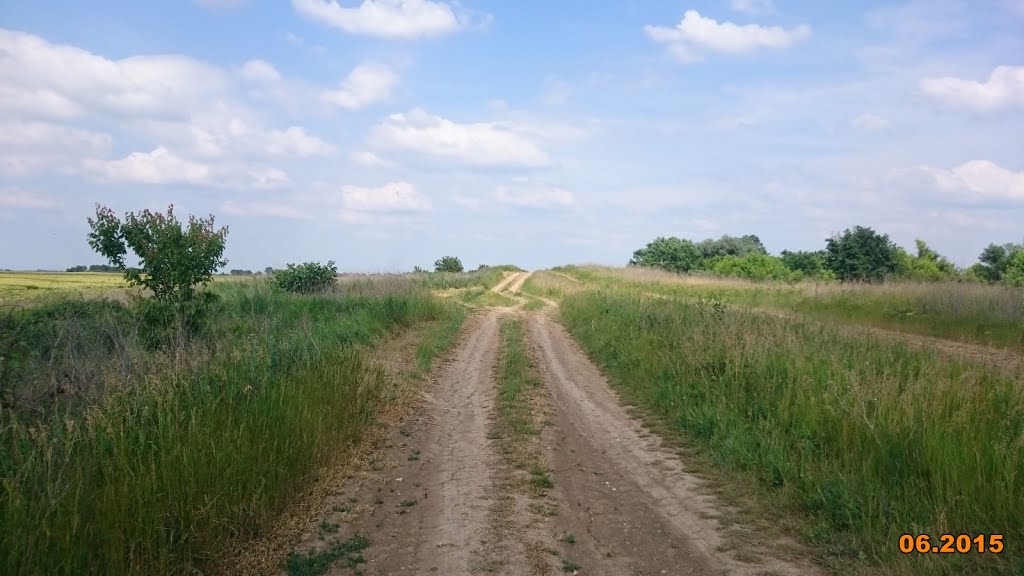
414, 455
569, 538
328, 527
307, 278
448, 264
407, 503
570, 566
316, 562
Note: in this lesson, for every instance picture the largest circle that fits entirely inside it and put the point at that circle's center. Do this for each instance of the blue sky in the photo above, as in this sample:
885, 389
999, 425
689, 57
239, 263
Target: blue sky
384, 134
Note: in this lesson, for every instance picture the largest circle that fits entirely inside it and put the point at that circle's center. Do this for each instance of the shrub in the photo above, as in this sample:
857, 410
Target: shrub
755, 266
173, 259
307, 278
448, 264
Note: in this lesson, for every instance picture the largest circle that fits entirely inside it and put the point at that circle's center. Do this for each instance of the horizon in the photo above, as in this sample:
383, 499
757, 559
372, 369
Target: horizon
384, 134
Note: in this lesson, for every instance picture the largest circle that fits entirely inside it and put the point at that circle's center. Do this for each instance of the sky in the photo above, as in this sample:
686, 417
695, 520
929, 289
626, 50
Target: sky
384, 134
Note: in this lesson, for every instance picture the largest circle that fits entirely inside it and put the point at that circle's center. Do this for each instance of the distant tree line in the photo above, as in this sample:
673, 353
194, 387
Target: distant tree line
858, 254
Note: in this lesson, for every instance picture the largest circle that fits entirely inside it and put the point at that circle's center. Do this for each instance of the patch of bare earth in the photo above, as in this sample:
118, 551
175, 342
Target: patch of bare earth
431, 501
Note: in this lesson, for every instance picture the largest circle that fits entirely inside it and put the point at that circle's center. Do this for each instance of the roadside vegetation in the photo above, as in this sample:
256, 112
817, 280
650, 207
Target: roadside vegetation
854, 440
989, 314
153, 434
858, 254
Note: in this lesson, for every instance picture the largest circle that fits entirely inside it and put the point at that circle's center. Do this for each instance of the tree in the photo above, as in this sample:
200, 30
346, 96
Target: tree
928, 265
80, 268
808, 264
995, 259
731, 246
448, 264
672, 254
861, 255
269, 270
1014, 274
307, 278
173, 259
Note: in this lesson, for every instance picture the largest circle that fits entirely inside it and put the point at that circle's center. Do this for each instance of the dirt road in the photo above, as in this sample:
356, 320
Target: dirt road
437, 501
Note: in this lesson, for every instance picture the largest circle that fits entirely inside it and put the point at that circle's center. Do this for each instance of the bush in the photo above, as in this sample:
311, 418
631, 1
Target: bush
861, 255
173, 260
755, 266
448, 264
307, 278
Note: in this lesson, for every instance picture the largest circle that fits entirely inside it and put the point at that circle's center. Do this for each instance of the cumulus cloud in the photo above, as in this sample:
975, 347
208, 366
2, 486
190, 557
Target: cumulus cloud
366, 84
696, 34
387, 18
391, 197
295, 141
1003, 89
973, 182
527, 194
369, 159
60, 81
479, 144
157, 167
260, 71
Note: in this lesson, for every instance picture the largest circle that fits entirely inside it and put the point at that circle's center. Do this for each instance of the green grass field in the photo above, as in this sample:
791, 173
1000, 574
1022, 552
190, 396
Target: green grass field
963, 311
853, 440
117, 458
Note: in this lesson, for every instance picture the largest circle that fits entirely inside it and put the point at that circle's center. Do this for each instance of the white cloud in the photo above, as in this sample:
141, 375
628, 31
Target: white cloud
869, 121
27, 147
479, 144
979, 180
272, 209
18, 198
366, 84
260, 71
696, 34
369, 159
73, 82
387, 18
391, 197
295, 141
752, 6
157, 167
265, 178
527, 194
1003, 89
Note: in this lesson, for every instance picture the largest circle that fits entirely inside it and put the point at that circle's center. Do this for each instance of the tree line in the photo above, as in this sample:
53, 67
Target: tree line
858, 254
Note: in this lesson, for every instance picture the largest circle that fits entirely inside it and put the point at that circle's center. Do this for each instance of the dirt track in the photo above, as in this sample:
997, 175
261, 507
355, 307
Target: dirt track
436, 500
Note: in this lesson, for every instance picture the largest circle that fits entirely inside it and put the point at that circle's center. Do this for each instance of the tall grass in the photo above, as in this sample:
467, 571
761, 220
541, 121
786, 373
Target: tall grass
161, 471
965, 311
862, 439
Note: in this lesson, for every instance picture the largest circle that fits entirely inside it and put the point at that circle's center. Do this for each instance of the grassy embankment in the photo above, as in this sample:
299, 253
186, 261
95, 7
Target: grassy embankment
852, 439
963, 311
119, 458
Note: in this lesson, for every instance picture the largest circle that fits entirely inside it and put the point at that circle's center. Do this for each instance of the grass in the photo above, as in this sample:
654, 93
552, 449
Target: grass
964, 311
317, 562
516, 428
857, 439
118, 458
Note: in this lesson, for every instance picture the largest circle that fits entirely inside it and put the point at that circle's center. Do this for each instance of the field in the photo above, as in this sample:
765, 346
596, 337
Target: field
584, 420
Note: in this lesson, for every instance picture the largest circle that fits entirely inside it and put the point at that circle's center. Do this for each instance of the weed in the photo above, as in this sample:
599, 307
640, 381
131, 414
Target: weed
407, 503
314, 562
414, 455
570, 566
